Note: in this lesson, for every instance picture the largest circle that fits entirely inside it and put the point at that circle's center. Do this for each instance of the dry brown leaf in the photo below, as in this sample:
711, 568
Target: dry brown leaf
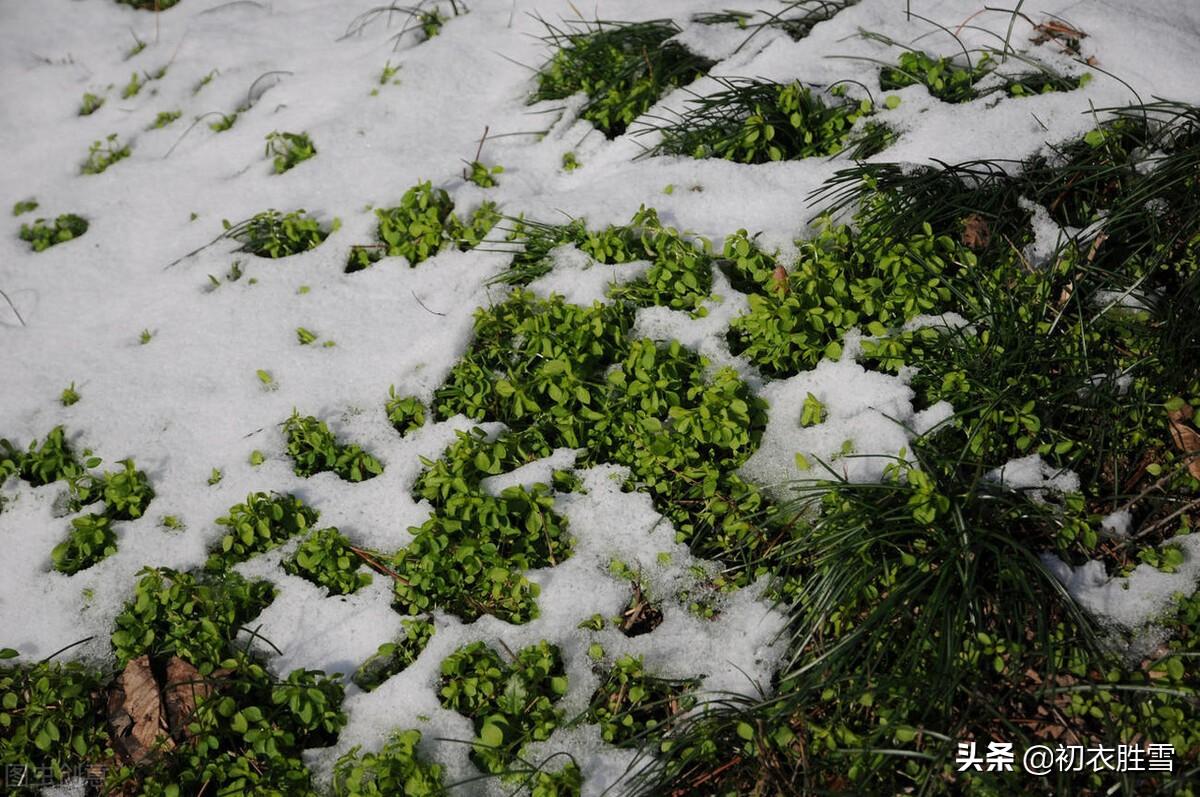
779, 280
976, 233
1185, 437
183, 689
135, 713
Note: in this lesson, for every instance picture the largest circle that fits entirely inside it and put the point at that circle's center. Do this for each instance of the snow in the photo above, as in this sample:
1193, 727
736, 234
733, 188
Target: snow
189, 400
1117, 524
1035, 477
870, 420
1136, 600
581, 279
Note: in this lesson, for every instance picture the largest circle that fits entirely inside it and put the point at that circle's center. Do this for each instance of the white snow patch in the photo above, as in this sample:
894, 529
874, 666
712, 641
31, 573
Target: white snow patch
869, 409
581, 279
1136, 600
1034, 476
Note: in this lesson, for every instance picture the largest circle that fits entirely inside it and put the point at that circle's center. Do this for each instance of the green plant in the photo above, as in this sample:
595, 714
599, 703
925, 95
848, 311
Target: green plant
164, 118
405, 413
259, 524
511, 705
481, 175
90, 104
204, 81
51, 715
305, 336
101, 155
289, 149
272, 234
145, 336
469, 557
395, 769
126, 492
25, 206
248, 733
194, 617
946, 80
226, 121
51, 461
841, 280
622, 68
570, 162
132, 87
750, 121
632, 707
680, 275
314, 449
394, 657
388, 73
91, 539
421, 226
215, 477
41, 236
69, 396
325, 558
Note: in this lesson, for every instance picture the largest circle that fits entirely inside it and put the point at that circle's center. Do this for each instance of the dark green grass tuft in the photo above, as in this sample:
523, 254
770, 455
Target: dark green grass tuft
622, 67
750, 121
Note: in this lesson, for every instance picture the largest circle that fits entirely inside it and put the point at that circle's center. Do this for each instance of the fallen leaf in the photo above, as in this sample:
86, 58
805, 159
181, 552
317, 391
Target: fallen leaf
135, 713
1185, 437
976, 233
183, 689
779, 280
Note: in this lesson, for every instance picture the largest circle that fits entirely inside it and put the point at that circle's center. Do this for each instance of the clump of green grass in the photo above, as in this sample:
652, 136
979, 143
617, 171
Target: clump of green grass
622, 67
481, 175
563, 375
126, 495
470, 569
949, 80
797, 18
405, 413
395, 656
327, 559
24, 206
90, 540
273, 234
226, 121
314, 449
102, 154
53, 718
633, 708
423, 224
752, 121
288, 149
922, 611
511, 704
257, 525
680, 276
45, 463
69, 396
163, 119
90, 104
841, 280
41, 236
395, 769
943, 77
198, 618
133, 87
